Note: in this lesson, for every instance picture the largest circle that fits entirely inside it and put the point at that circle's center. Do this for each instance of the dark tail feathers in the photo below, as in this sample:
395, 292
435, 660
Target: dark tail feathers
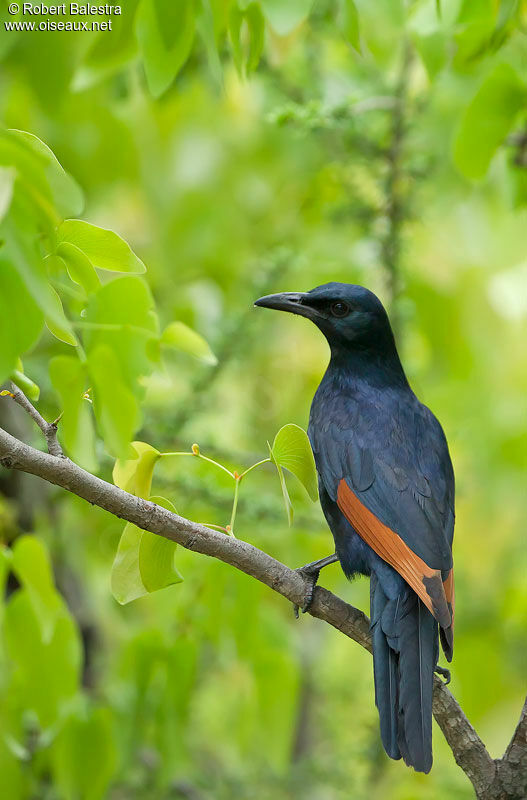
405, 653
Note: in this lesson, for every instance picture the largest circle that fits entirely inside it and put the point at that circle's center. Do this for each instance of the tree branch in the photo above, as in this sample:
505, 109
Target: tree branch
49, 429
468, 749
148, 516
512, 768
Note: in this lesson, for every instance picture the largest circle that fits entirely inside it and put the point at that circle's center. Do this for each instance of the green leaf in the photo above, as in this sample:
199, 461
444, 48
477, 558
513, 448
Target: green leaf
121, 324
22, 249
143, 565
433, 49
284, 17
156, 562
7, 180
156, 556
105, 249
247, 50
126, 582
58, 324
65, 192
29, 387
32, 567
487, 120
57, 662
115, 406
292, 451
135, 474
84, 755
285, 494
69, 380
21, 319
179, 336
165, 32
108, 54
350, 23
205, 26
120, 319
474, 31
80, 269
6, 557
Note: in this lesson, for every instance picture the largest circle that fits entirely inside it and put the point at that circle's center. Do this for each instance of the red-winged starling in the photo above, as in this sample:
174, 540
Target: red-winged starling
387, 491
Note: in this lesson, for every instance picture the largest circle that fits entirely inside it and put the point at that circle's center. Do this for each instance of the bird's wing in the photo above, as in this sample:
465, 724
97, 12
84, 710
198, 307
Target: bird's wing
392, 478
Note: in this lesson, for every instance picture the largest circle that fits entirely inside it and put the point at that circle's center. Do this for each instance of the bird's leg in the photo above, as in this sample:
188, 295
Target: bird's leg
444, 672
310, 574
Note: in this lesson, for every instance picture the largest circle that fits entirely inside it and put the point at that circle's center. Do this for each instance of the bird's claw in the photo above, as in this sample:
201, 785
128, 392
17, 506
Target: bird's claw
445, 673
310, 577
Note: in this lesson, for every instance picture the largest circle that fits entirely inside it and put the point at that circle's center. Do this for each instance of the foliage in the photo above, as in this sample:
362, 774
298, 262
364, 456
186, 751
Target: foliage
243, 148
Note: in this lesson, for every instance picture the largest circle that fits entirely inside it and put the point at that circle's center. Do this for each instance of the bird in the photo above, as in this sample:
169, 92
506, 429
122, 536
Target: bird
386, 486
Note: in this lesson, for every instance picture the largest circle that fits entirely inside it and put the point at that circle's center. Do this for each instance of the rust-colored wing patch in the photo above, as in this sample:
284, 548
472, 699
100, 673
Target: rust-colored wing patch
448, 585
426, 582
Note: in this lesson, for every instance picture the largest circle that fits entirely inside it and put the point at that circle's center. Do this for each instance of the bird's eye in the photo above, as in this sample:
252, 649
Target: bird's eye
340, 309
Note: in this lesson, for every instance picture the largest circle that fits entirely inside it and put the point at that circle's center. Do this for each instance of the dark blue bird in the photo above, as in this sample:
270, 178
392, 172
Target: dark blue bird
387, 492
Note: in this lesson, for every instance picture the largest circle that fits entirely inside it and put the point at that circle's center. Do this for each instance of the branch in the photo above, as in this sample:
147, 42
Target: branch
468, 749
512, 768
150, 517
49, 429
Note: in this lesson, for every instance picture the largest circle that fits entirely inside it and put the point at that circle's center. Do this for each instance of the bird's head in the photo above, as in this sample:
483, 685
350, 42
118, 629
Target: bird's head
350, 316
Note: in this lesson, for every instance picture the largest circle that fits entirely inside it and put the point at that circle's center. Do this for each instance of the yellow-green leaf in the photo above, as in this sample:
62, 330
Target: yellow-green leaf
292, 451
135, 474
144, 562
59, 325
80, 269
156, 556
488, 119
33, 569
116, 408
179, 336
105, 249
350, 23
29, 387
165, 32
7, 180
76, 429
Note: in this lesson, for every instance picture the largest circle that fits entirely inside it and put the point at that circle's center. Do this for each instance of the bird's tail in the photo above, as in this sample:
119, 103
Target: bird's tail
405, 653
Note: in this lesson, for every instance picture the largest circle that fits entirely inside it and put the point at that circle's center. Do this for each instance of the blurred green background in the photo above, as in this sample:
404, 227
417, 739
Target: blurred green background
274, 146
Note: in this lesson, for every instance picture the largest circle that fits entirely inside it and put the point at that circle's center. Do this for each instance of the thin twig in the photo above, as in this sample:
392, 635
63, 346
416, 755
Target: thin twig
49, 429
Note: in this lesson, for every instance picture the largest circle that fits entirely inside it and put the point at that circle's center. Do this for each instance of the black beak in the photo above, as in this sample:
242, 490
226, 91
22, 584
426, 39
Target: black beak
294, 302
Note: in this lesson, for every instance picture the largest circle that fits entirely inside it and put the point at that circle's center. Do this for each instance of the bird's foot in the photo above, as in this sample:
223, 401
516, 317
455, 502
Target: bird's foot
310, 575
445, 673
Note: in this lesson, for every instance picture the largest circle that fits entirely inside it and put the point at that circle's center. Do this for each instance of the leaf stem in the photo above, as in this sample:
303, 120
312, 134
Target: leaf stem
229, 530
234, 506
221, 528
217, 464
205, 458
258, 463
